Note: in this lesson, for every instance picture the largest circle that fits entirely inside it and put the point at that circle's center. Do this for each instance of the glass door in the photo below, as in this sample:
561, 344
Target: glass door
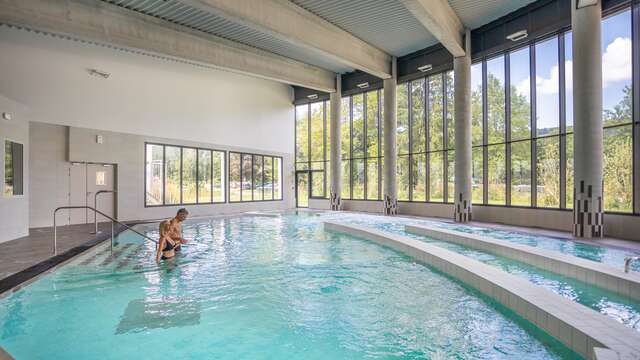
302, 189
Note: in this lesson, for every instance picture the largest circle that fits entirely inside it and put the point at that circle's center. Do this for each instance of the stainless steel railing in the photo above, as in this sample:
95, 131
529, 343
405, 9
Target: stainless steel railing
95, 203
628, 261
113, 221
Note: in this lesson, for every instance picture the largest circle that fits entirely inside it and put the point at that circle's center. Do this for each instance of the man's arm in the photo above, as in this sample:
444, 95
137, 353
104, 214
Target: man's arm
180, 238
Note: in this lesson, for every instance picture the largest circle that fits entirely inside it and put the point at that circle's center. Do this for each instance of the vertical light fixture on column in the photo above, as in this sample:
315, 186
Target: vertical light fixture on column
390, 151
462, 104
335, 188
586, 22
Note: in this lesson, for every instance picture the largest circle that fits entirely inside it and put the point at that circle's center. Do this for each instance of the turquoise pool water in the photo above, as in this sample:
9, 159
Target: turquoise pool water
260, 288
620, 308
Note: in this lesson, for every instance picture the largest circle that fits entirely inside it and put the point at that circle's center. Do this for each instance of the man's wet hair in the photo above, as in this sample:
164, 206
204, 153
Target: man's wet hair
183, 211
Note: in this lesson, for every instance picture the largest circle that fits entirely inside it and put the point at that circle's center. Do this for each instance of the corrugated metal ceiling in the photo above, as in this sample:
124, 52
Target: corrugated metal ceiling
474, 13
179, 13
386, 24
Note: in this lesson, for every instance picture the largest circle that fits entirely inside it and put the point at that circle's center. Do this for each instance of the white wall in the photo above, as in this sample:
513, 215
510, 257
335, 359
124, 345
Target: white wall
143, 95
144, 99
14, 210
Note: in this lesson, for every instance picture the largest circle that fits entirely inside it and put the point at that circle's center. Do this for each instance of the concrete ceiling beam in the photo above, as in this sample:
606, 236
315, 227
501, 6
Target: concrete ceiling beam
293, 24
441, 20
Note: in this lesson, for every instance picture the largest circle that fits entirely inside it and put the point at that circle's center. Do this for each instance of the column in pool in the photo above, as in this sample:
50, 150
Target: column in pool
390, 150
462, 105
335, 99
587, 112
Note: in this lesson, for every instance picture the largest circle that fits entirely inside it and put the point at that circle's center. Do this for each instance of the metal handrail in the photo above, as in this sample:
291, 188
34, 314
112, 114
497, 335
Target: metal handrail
55, 227
95, 203
628, 261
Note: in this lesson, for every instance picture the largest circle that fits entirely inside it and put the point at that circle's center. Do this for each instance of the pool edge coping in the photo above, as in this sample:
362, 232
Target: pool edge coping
581, 329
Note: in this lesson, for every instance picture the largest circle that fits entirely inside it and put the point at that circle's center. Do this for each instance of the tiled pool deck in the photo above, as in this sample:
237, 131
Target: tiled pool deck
578, 327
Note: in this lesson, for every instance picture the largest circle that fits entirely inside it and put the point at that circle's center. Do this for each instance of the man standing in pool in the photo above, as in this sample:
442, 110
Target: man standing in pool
173, 228
171, 236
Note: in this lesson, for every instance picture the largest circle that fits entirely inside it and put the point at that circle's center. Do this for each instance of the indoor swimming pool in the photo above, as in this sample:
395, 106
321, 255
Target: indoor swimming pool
261, 287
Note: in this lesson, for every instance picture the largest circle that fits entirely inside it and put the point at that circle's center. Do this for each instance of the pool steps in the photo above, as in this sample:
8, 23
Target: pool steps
121, 257
587, 271
587, 332
116, 253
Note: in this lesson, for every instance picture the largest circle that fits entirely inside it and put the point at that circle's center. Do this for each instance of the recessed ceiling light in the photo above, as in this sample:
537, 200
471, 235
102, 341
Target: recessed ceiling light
518, 35
312, 96
363, 85
425, 68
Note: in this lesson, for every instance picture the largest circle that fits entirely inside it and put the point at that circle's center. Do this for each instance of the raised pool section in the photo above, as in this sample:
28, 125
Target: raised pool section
587, 332
590, 272
618, 307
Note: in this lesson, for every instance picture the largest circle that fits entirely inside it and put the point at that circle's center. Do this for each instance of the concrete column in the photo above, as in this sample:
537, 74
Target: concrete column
587, 115
335, 99
462, 105
390, 149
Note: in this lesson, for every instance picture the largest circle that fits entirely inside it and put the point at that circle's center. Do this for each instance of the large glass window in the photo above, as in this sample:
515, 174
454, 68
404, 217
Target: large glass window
312, 145
520, 94
521, 173
13, 168
177, 175
426, 139
547, 88
477, 132
189, 173
362, 154
617, 101
205, 178
235, 176
172, 158
154, 174
523, 148
617, 116
254, 177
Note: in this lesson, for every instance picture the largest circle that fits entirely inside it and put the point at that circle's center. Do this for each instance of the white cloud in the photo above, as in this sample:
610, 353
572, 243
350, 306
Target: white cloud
523, 88
616, 66
550, 85
616, 61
